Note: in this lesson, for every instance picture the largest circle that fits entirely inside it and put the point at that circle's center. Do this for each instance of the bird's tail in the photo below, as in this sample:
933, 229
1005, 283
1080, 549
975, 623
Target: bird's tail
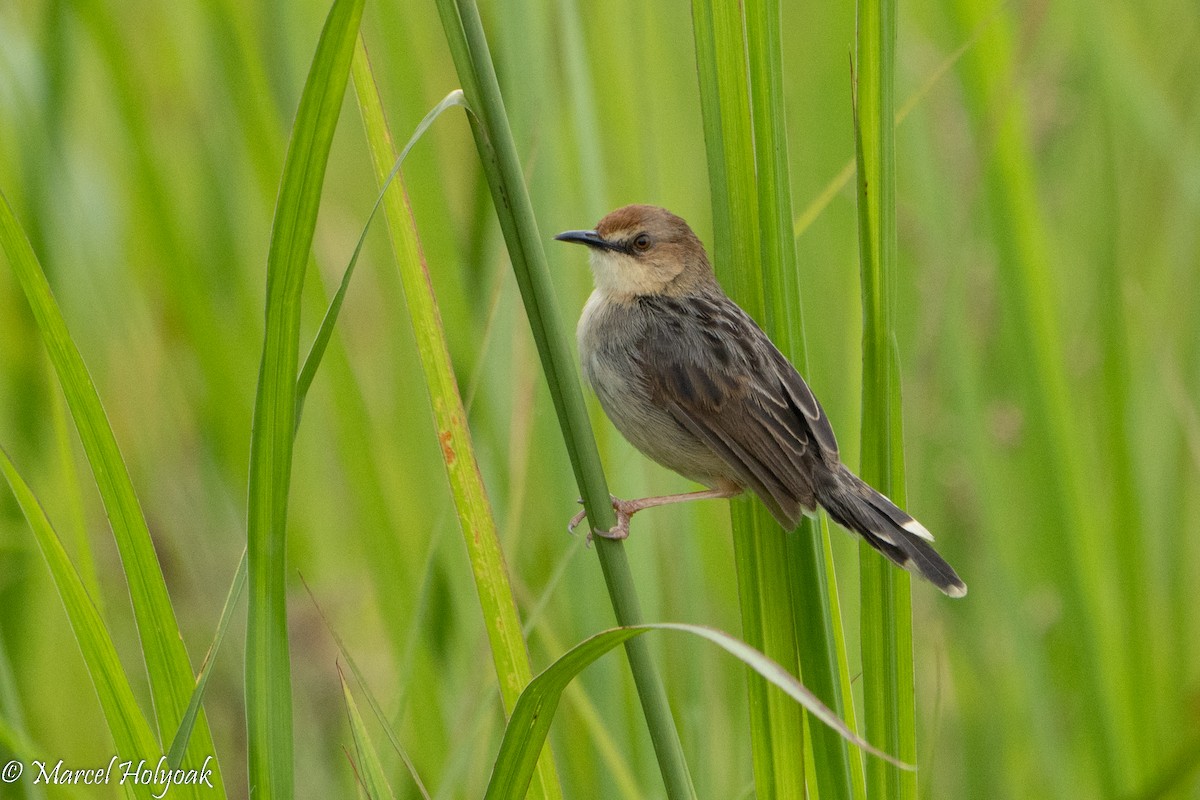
858, 507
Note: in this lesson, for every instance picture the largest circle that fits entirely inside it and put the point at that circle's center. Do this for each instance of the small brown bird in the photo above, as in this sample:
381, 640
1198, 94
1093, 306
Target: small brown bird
692, 382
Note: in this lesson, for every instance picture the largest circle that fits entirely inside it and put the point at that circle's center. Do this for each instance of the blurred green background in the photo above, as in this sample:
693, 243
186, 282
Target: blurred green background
1049, 313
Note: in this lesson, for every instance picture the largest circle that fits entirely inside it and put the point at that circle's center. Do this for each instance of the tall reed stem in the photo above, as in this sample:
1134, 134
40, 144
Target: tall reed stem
497, 152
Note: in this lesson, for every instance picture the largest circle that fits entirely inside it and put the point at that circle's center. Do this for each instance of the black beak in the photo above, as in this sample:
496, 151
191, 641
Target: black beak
590, 238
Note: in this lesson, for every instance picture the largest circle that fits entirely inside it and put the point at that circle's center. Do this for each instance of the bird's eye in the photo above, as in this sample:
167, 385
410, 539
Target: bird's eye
641, 242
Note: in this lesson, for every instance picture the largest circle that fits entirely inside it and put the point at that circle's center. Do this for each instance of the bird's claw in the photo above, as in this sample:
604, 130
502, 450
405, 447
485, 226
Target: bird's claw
616, 533
575, 520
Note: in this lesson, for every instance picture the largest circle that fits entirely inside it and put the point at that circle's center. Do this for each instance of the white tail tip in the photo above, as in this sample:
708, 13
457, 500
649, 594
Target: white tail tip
917, 529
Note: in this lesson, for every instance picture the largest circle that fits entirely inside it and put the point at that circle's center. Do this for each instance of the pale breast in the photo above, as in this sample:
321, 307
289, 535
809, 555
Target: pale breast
609, 337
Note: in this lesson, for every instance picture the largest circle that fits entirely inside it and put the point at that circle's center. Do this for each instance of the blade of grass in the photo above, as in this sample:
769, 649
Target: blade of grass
81, 545
476, 520
367, 766
770, 587
307, 373
162, 645
531, 718
844, 176
130, 731
604, 739
493, 139
725, 105
1141, 597
785, 597
887, 649
365, 688
729, 142
858, 778
268, 670
179, 742
313, 360
811, 596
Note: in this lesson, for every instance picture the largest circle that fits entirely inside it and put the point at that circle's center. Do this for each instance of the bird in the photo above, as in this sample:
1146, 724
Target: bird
694, 383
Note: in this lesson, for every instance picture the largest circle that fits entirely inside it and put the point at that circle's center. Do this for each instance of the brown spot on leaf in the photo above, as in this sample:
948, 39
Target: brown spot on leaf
447, 449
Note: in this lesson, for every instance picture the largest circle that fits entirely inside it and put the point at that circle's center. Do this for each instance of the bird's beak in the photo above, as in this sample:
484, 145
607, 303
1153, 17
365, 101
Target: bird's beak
590, 238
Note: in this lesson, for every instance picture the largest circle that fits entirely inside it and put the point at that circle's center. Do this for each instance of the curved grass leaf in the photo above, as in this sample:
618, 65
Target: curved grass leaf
321, 340
303, 383
130, 731
180, 740
165, 655
530, 721
268, 669
376, 708
368, 768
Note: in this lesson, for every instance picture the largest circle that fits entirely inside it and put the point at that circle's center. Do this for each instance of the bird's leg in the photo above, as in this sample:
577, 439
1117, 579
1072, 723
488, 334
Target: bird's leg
627, 508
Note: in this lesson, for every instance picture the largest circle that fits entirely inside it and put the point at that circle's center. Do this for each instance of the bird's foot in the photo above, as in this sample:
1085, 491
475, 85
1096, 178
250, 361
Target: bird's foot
624, 509
621, 529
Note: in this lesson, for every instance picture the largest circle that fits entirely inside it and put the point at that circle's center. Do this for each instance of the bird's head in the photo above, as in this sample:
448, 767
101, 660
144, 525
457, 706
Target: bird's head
644, 250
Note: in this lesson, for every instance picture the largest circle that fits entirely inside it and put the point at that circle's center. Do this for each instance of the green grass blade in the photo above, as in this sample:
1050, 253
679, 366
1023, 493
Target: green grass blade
728, 139
166, 657
809, 597
307, 373
729, 142
179, 742
476, 520
130, 731
530, 721
268, 671
609, 743
365, 688
1140, 590
81, 545
782, 313
784, 595
321, 341
858, 778
367, 766
769, 587
497, 152
819, 203
887, 649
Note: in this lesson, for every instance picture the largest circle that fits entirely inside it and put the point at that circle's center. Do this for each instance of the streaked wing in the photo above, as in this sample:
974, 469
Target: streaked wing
805, 402
720, 377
